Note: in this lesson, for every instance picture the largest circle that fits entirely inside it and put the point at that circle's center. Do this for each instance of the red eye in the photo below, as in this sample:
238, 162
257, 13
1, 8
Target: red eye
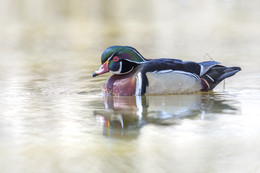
115, 59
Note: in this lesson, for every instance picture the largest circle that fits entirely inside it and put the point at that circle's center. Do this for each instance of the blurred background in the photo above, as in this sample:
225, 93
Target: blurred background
53, 117
224, 29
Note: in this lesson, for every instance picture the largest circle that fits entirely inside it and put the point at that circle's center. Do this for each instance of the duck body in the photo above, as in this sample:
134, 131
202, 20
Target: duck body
135, 75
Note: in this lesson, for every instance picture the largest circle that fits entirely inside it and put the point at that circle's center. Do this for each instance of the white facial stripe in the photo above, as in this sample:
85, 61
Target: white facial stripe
134, 61
111, 56
119, 70
128, 71
138, 54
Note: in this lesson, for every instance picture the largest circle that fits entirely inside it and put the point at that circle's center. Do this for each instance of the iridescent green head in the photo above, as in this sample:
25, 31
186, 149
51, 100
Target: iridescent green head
119, 60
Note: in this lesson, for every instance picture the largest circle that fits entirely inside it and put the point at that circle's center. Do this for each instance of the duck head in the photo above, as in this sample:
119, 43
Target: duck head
119, 60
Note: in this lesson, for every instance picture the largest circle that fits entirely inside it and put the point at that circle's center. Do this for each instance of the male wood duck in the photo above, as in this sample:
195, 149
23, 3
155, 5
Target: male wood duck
135, 75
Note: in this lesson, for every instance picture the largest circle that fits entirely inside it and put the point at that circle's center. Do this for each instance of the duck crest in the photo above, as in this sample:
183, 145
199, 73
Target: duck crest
125, 52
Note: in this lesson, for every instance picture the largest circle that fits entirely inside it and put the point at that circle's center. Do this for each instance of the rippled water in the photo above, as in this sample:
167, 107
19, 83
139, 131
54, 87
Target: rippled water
54, 118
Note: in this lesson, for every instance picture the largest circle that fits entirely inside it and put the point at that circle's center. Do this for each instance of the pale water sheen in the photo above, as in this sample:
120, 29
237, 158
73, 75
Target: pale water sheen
54, 118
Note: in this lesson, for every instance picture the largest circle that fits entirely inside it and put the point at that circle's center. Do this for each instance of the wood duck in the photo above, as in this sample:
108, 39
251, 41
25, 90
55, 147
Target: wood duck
132, 74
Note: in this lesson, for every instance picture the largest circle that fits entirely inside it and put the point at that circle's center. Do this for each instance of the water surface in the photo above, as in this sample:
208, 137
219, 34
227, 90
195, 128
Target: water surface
54, 118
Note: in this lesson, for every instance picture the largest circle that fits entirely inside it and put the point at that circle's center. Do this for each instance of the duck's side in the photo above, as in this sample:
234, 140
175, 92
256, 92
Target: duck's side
189, 78
169, 82
135, 75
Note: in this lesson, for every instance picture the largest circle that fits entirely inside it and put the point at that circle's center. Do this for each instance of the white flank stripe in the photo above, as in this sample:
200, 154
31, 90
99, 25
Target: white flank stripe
135, 61
163, 71
119, 70
138, 84
210, 78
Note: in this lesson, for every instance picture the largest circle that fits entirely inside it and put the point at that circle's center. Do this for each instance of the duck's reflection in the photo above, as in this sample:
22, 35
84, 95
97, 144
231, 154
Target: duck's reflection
125, 115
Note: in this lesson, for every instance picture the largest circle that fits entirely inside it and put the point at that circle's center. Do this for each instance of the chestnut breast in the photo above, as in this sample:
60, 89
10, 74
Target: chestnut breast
121, 84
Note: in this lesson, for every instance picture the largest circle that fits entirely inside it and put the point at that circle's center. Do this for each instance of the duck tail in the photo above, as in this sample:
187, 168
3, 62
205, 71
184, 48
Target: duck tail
215, 75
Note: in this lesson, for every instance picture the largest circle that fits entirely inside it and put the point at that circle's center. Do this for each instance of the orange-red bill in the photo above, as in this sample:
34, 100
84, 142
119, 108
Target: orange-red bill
102, 69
